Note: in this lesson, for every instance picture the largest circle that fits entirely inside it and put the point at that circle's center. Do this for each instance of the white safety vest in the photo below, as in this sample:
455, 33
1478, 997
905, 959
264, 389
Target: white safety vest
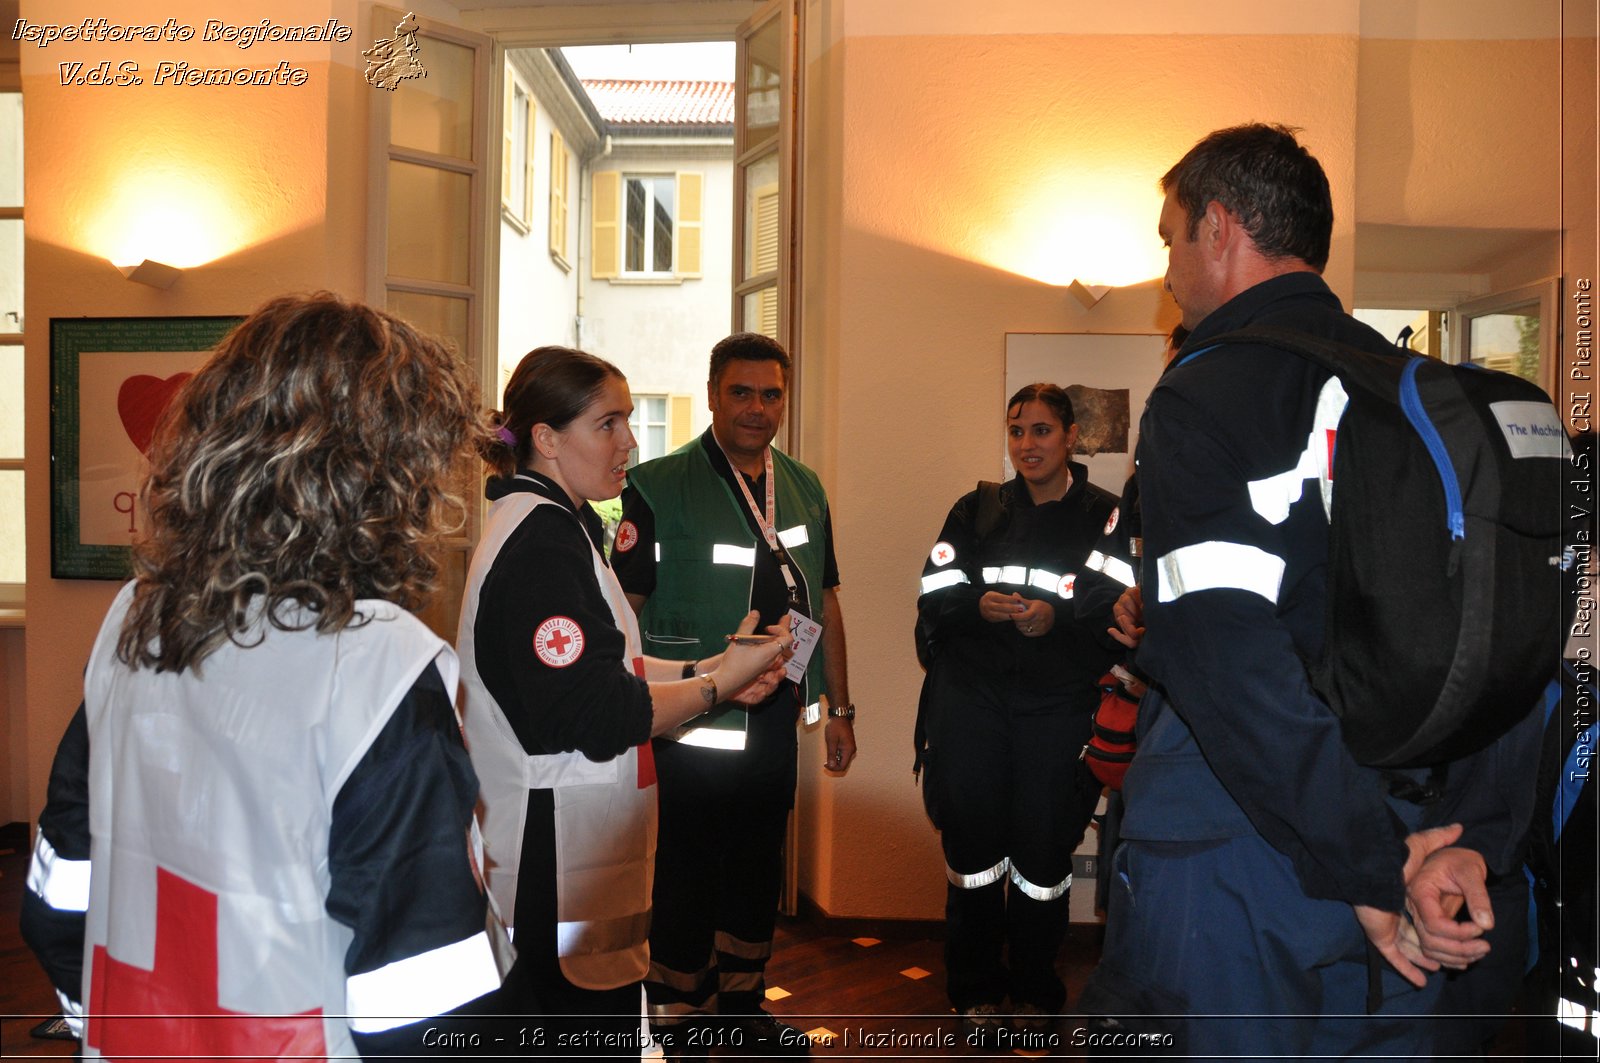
605, 814
211, 794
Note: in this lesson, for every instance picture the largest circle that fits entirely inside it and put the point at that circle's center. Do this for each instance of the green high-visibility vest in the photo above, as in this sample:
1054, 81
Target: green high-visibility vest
705, 555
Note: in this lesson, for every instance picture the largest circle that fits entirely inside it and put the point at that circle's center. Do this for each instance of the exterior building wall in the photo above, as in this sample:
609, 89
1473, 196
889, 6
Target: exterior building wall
660, 332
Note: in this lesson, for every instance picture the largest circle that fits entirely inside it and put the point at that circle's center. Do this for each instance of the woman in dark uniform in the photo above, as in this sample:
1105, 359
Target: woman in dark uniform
561, 704
1011, 693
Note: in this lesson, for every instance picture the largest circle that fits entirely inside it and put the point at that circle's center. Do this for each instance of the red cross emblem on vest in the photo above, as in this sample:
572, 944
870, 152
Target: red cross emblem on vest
172, 1009
558, 642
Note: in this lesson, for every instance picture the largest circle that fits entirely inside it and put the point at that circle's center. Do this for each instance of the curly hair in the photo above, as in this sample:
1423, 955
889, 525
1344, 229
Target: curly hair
308, 462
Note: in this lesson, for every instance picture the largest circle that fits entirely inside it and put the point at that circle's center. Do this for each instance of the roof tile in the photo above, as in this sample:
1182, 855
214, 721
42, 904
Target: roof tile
662, 103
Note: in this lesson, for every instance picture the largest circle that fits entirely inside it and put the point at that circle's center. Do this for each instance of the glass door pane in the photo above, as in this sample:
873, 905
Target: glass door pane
1508, 342
762, 82
435, 113
1513, 332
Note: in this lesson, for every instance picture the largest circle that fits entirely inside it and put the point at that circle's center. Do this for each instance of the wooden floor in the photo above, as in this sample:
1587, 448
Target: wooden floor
888, 988
879, 994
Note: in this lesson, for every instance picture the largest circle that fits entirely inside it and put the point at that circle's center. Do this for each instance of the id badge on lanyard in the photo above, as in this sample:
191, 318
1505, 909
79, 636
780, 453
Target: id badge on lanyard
765, 521
802, 626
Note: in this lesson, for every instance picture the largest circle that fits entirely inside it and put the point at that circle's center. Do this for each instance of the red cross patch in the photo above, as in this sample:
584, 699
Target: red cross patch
1111, 521
943, 553
558, 641
171, 1009
1064, 588
627, 537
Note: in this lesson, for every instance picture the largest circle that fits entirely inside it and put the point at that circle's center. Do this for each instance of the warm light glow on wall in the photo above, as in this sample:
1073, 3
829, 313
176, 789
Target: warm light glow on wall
184, 219
1099, 232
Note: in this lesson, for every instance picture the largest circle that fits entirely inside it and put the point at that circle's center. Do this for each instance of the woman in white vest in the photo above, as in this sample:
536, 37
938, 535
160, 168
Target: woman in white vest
561, 704
259, 839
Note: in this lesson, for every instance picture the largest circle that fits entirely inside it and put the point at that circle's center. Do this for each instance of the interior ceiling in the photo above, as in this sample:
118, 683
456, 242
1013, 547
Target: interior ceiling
482, 5
1417, 249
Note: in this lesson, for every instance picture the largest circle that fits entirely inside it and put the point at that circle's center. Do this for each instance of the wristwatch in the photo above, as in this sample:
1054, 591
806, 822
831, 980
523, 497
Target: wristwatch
842, 712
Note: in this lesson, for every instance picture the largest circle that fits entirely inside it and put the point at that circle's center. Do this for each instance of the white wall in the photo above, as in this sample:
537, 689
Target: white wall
538, 295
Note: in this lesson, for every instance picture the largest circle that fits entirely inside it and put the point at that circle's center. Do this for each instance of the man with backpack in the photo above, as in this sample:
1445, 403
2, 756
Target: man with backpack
1258, 901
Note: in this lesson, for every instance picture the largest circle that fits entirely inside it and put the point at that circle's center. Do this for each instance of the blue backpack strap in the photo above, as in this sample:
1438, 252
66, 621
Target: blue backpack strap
1192, 355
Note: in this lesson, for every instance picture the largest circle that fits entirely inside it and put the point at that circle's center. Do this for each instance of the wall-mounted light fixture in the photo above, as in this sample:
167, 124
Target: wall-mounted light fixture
1088, 294
156, 274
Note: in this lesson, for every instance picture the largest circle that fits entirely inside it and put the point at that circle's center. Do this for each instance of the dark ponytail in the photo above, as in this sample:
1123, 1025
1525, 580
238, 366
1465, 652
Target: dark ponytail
551, 385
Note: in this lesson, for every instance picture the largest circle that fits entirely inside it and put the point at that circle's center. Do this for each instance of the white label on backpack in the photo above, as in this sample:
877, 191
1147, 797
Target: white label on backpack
1531, 429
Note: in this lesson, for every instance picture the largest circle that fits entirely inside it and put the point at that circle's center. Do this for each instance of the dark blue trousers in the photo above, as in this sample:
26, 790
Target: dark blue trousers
1005, 776
1214, 945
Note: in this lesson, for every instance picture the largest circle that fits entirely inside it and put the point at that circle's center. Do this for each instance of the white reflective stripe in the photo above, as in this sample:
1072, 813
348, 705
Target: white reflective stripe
1272, 496
795, 536
587, 937
64, 884
1218, 566
724, 554
712, 738
1013, 574
72, 1012
1575, 1015
1044, 579
991, 575
658, 553
1120, 571
940, 580
421, 986
981, 879
1040, 893
1114, 567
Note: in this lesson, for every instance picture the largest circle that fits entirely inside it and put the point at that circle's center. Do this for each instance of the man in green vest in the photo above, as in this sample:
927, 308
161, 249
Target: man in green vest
723, 525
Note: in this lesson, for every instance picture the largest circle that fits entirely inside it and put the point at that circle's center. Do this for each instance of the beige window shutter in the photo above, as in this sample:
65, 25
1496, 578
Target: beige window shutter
558, 196
527, 167
606, 237
767, 311
765, 257
680, 420
691, 215
766, 237
508, 140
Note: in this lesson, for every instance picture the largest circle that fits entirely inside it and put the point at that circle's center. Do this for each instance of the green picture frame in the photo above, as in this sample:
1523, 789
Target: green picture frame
110, 378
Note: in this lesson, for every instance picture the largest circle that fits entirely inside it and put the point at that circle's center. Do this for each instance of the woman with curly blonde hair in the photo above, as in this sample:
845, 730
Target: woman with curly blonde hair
263, 810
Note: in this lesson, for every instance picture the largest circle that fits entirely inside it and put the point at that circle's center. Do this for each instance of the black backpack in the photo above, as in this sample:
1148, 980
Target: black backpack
1445, 547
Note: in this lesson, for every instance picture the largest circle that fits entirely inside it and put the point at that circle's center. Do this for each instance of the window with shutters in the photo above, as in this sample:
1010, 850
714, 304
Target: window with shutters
647, 226
661, 424
649, 424
516, 160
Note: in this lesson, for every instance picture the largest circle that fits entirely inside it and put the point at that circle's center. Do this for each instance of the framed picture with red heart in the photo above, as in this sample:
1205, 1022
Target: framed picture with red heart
110, 380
